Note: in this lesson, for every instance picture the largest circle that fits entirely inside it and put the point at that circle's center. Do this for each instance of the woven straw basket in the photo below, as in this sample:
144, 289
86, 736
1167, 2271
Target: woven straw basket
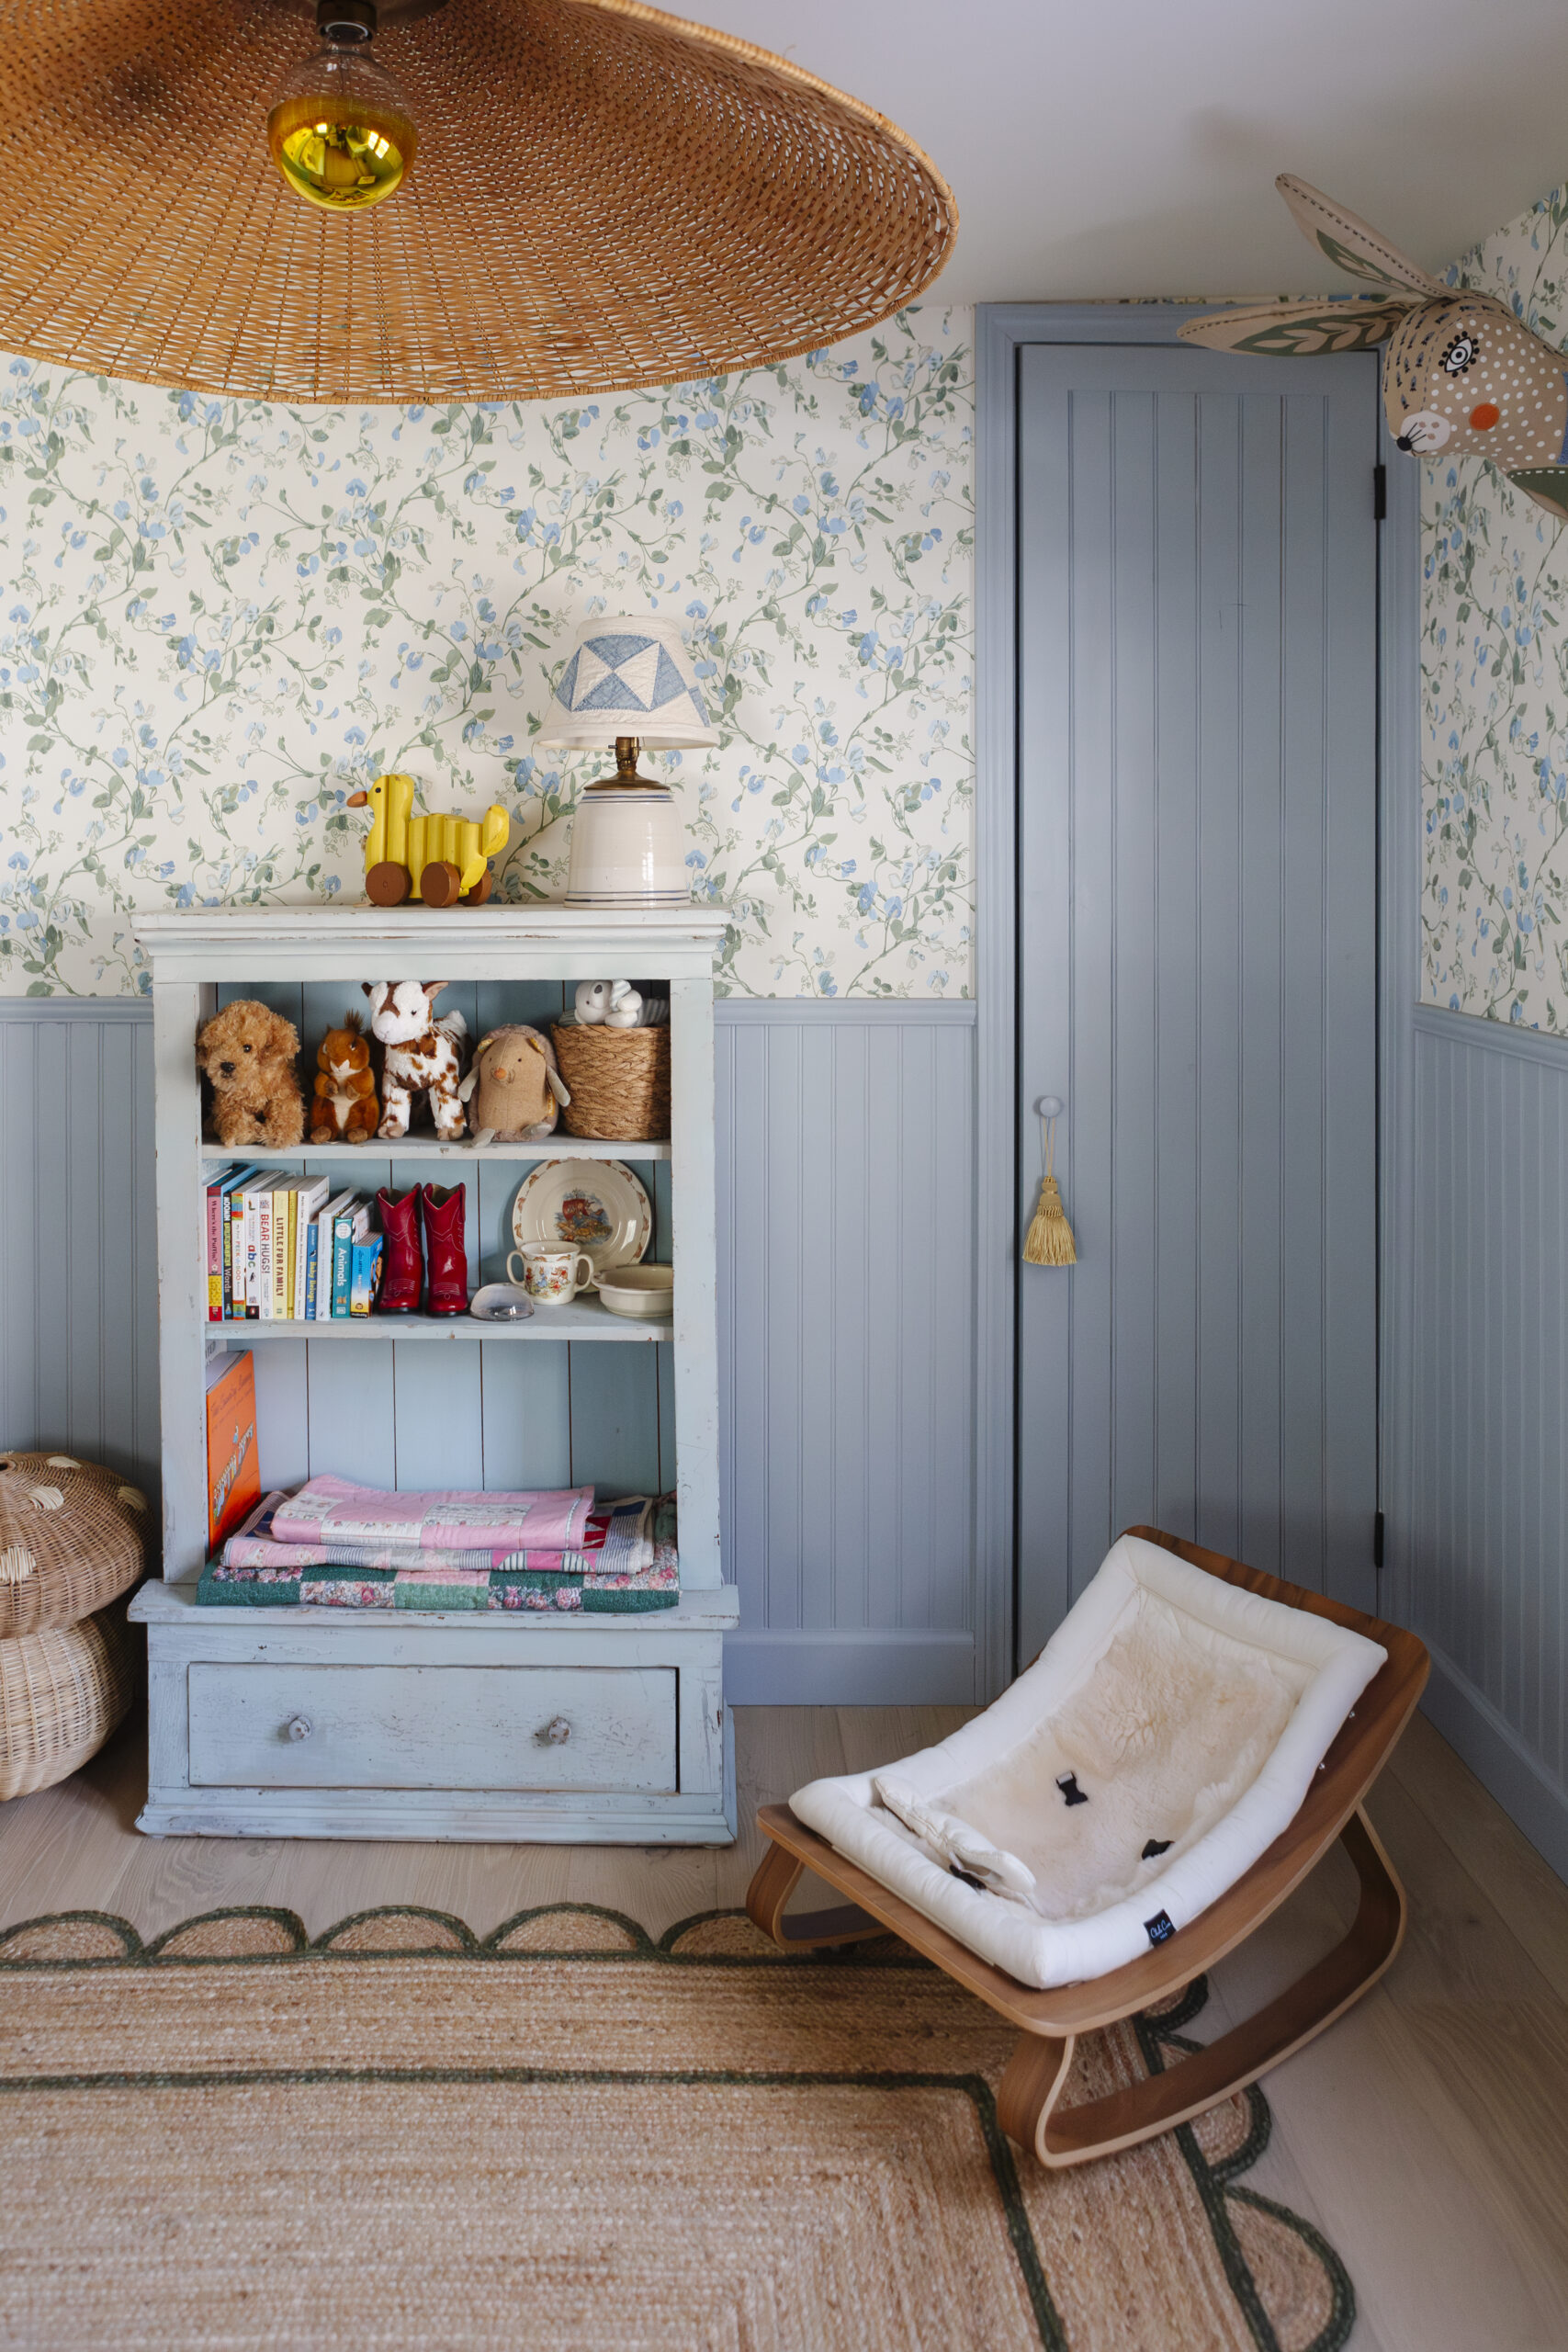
619, 1080
62, 1693
71, 1539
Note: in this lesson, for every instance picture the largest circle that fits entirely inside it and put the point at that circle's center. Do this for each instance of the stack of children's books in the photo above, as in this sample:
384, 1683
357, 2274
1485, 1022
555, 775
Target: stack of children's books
286, 1248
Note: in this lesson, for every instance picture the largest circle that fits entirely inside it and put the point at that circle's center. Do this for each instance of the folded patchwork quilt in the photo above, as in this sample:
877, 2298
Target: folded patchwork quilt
635, 1568
255, 1545
330, 1511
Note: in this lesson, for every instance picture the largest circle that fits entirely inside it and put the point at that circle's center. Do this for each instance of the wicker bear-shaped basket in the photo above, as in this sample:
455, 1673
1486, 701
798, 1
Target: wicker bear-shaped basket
70, 1540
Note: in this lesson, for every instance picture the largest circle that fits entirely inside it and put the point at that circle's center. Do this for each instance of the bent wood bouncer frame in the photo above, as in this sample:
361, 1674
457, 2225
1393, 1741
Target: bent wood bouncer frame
1028, 2101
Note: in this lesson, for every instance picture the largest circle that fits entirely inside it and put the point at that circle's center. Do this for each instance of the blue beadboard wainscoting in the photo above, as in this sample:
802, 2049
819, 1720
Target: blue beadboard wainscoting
79, 1271
1477, 1426
846, 1286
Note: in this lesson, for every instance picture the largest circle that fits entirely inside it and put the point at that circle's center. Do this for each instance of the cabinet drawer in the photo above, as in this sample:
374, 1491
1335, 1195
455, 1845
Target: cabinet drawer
433, 1727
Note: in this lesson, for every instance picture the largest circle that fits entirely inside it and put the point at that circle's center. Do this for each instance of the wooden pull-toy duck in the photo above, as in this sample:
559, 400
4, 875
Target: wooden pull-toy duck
438, 859
1463, 376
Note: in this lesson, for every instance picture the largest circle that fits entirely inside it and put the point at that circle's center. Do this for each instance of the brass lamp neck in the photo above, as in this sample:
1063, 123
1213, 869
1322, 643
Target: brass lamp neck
627, 748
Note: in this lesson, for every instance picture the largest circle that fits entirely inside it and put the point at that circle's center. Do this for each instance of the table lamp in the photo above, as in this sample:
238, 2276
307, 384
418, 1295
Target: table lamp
629, 683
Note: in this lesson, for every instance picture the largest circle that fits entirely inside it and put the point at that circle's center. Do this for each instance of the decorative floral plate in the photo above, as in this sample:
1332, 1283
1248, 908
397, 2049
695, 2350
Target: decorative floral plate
592, 1205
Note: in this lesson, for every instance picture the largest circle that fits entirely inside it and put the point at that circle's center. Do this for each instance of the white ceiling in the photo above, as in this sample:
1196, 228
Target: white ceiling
1114, 147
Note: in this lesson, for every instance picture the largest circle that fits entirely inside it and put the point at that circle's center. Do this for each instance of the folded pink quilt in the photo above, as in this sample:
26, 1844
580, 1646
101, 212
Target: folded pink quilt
331, 1510
254, 1546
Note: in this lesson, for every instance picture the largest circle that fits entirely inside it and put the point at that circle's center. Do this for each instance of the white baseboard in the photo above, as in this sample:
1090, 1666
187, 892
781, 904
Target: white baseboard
845, 1668
1500, 1761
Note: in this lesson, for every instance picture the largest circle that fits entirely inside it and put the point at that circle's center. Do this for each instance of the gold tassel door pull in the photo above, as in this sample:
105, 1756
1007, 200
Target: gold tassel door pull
1049, 1241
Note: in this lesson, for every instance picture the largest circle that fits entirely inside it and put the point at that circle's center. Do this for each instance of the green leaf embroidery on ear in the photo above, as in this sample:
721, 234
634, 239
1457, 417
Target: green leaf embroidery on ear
1347, 258
1333, 331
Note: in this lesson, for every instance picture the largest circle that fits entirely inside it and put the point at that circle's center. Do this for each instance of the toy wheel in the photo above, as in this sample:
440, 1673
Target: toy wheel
387, 885
440, 883
481, 889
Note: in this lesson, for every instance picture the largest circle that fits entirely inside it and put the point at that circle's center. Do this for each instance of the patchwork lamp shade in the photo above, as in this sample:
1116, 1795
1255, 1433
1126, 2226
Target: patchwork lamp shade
630, 683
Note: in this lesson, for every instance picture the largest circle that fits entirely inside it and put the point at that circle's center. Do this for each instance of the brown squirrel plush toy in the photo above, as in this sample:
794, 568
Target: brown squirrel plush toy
344, 1109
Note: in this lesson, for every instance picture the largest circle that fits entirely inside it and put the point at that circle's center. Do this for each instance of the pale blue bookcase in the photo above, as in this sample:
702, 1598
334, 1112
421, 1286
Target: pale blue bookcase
316, 1722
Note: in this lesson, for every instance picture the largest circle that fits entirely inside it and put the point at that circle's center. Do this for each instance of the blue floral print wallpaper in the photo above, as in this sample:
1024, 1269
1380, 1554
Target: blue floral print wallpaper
221, 618
1495, 695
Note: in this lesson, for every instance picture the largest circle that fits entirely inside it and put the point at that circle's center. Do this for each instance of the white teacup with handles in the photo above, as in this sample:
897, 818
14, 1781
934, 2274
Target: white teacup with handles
552, 1272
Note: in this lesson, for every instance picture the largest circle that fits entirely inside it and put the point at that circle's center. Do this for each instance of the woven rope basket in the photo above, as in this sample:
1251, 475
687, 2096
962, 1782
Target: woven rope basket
71, 1539
604, 196
62, 1693
619, 1080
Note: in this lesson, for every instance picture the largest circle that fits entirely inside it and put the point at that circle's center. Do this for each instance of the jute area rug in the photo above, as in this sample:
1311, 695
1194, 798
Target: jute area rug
567, 2135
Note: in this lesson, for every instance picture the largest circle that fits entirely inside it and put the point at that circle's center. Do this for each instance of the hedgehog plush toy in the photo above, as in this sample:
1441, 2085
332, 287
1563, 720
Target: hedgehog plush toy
513, 1090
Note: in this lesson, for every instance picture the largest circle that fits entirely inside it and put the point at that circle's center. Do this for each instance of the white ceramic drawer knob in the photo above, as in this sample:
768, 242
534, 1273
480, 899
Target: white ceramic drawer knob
558, 1732
299, 1727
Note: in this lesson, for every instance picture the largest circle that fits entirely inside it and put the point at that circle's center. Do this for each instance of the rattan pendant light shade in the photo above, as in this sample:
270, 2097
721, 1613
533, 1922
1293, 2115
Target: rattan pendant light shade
604, 196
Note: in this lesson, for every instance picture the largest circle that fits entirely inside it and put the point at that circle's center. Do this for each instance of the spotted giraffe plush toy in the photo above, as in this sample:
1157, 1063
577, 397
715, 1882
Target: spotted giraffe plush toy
422, 1056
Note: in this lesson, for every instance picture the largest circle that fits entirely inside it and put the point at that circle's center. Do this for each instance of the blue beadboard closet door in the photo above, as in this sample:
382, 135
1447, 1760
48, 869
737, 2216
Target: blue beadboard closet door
1197, 959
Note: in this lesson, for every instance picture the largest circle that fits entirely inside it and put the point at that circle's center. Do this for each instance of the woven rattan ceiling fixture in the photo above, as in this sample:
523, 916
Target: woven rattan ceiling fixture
604, 196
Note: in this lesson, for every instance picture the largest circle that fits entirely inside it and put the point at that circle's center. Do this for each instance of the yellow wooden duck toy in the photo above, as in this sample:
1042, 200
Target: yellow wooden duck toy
439, 859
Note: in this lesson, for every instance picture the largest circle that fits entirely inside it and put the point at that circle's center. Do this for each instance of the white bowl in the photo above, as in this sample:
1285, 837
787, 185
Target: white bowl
646, 1293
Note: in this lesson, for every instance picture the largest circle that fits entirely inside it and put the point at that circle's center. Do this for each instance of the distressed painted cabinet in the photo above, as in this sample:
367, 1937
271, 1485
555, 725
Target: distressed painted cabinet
317, 1721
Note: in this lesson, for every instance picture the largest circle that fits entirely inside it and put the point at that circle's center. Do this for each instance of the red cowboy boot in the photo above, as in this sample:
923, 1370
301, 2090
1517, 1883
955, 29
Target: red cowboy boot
444, 1207
402, 1276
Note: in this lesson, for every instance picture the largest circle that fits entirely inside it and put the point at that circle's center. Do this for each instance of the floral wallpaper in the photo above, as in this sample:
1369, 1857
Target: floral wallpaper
1495, 695
220, 618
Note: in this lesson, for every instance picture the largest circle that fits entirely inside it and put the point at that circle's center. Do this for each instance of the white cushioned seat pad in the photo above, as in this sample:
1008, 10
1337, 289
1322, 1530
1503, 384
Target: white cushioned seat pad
1162, 1740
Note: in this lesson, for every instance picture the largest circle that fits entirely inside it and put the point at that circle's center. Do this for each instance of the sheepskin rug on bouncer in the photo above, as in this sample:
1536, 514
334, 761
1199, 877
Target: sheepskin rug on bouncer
1164, 1736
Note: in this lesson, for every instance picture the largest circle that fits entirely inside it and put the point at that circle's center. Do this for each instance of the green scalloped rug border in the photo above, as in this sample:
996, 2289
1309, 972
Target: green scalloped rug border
1217, 2183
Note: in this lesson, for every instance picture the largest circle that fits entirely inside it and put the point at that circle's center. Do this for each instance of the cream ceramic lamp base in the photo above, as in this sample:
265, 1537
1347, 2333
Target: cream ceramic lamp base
628, 847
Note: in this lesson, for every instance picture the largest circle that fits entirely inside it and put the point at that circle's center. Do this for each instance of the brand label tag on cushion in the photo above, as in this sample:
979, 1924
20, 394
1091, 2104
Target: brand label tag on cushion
1160, 1929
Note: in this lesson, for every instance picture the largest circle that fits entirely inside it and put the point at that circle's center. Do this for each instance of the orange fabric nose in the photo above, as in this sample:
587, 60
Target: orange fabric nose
1484, 417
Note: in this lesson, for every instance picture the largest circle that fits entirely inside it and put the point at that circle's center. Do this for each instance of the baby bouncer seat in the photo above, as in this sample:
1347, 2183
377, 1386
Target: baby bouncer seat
1191, 1740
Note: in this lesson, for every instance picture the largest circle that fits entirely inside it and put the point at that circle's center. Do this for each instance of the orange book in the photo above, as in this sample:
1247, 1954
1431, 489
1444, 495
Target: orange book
233, 1476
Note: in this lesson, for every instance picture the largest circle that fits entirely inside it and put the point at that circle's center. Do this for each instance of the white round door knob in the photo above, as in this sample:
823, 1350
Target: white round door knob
558, 1732
299, 1727
1050, 1106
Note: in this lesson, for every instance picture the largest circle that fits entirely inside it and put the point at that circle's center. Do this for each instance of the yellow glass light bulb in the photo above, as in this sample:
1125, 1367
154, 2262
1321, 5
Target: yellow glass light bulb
339, 131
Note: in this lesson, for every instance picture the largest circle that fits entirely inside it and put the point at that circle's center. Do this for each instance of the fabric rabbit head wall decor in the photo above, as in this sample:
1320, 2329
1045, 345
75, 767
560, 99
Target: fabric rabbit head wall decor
1461, 376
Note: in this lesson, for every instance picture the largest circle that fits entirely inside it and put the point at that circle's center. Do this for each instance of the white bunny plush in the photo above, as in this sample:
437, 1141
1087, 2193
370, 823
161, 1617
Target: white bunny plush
614, 1003
1460, 376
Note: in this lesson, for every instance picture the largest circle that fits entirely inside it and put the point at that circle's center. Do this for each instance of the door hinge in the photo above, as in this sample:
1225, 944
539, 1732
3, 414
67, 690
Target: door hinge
1377, 1539
1380, 494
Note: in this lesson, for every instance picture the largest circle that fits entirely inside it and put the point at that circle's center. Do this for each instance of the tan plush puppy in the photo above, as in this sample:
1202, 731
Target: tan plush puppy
344, 1109
247, 1055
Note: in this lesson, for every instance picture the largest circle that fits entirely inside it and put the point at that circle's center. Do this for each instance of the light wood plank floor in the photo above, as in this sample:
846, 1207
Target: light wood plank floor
1426, 2133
